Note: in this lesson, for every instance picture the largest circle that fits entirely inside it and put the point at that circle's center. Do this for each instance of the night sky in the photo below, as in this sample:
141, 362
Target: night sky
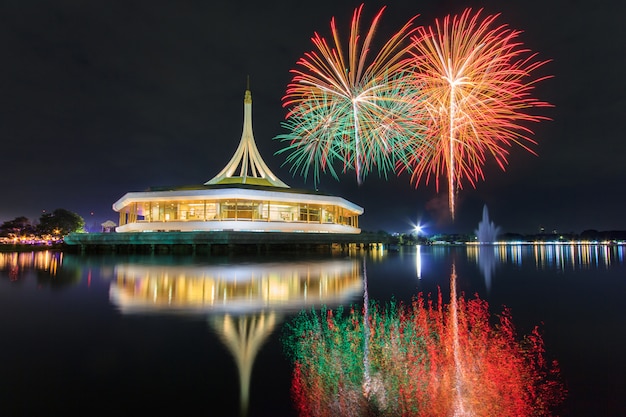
102, 97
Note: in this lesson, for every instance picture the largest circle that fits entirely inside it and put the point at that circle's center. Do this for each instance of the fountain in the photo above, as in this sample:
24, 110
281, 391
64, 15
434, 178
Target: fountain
487, 232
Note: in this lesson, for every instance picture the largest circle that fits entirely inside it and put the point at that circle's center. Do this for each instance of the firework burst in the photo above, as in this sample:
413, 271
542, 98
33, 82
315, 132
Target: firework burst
477, 85
351, 109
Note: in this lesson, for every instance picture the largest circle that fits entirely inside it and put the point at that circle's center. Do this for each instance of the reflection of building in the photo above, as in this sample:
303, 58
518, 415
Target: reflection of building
244, 336
244, 302
244, 196
234, 289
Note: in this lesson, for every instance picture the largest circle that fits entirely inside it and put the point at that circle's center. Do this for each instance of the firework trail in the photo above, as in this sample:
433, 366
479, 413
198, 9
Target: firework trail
352, 109
476, 83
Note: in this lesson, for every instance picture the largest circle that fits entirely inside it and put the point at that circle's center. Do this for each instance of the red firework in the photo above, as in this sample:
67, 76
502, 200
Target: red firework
476, 80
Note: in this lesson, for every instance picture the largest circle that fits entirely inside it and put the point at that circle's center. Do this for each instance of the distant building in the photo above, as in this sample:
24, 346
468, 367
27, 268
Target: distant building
244, 196
108, 226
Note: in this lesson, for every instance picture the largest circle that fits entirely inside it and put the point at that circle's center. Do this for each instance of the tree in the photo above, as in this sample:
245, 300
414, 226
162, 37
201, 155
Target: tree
60, 223
20, 226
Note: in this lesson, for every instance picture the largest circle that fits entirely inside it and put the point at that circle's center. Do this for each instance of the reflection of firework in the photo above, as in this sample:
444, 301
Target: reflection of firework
352, 110
474, 80
414, 370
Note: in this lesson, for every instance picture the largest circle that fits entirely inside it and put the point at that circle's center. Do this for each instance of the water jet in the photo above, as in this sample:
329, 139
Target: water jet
487, 231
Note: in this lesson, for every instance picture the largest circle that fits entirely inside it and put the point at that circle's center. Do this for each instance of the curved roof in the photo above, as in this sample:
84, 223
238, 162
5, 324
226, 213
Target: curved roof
240, 191
246, 166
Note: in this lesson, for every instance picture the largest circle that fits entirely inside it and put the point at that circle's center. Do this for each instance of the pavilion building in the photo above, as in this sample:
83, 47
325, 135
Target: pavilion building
244, 196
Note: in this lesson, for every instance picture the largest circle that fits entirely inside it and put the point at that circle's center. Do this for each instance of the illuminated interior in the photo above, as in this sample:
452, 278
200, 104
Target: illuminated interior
250, 212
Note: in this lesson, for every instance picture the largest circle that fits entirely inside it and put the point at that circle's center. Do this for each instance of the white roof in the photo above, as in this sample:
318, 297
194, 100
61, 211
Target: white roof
232, 193
247, 159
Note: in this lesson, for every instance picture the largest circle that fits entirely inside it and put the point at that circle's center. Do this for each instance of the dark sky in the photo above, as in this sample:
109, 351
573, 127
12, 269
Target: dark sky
102, 97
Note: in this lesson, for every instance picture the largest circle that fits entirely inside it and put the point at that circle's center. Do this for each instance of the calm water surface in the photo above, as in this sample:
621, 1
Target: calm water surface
139, 335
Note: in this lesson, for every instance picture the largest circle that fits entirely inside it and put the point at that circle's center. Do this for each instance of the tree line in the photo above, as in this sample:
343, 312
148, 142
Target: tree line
51, 226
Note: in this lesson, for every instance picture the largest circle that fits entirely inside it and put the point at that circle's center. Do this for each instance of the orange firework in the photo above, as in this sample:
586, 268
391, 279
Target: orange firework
476, 82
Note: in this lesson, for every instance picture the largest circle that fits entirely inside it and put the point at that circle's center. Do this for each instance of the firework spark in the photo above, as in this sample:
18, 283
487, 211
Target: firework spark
476, 81
351, 109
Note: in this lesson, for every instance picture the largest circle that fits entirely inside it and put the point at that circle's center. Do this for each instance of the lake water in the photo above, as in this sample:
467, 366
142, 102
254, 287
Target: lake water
182, 335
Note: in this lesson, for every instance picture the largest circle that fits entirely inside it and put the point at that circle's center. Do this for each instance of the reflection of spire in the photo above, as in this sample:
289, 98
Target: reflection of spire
244, 336
247, 159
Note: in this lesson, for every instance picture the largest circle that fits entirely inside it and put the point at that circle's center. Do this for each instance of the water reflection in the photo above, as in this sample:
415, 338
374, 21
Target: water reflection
243, 336
244, 302
487, 259
545, 256
420, 359
46, 266
234, 289
244, 315
19, 262
418, 261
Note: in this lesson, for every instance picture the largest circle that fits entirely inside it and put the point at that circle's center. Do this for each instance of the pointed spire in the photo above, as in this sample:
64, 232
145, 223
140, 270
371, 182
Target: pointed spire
247, 160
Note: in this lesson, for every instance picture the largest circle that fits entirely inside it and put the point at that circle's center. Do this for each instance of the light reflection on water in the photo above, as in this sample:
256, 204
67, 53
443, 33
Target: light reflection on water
247, 303
16, 263
234, 289
559, 256
542, 256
